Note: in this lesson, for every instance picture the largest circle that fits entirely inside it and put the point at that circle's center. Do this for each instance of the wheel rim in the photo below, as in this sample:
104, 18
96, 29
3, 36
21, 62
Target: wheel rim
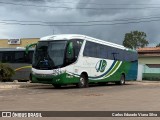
82, 81
122, 80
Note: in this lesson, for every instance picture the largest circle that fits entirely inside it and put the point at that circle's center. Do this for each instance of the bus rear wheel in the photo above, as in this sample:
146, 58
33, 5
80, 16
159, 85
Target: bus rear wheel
83, 82
122, 80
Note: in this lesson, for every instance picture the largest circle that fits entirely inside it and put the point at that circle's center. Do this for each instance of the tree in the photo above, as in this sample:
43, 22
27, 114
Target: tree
158, 45
135, 39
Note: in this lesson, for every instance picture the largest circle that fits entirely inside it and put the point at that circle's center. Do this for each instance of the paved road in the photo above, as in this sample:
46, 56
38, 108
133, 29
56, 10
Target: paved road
133, 96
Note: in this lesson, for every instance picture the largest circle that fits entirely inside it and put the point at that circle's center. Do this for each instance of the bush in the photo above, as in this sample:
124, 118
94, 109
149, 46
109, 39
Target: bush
6, 72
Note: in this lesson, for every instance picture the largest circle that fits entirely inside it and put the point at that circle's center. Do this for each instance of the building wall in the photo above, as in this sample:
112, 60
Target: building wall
147, 72
140, 72
149, 60
24, 42
151, 70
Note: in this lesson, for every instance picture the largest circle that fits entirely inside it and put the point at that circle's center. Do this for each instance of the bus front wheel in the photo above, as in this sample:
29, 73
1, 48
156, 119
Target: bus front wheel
83, 82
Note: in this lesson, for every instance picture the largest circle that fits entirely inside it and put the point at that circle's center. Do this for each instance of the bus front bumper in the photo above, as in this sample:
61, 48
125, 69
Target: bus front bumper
61, 79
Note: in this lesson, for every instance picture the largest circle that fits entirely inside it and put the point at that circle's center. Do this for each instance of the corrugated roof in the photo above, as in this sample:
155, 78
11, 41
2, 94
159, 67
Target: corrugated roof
149, 50
147, 55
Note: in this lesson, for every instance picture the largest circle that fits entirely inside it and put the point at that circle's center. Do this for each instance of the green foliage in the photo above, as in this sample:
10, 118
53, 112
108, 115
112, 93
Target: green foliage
135, 39
158, 45
6, 72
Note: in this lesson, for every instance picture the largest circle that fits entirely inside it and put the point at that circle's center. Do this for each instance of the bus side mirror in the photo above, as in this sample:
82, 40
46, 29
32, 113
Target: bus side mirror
29, 46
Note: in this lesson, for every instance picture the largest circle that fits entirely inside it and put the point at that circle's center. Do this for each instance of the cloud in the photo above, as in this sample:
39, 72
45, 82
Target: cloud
113, 33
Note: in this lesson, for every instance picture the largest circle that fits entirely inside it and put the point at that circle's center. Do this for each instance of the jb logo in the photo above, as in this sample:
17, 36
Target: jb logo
101, 65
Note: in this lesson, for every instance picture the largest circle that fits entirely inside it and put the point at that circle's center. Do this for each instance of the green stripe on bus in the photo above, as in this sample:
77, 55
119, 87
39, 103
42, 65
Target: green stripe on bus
113, 69
24, 67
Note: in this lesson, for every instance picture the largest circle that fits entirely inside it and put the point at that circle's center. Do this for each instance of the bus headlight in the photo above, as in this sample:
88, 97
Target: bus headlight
58, 71
62, 71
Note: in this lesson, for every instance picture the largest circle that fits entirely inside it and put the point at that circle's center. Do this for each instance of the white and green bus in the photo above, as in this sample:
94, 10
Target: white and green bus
80, 60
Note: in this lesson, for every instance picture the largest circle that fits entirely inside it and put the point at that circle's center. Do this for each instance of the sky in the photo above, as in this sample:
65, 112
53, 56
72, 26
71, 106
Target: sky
103, 19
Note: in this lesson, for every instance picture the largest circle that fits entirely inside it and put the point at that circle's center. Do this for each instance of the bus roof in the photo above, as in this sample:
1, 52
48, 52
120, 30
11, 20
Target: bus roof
79, 36
62, 37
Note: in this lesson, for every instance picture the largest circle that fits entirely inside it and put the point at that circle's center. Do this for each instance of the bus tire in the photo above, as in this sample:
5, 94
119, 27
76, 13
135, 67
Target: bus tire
30, 76
56, 86
122, 80
83, 82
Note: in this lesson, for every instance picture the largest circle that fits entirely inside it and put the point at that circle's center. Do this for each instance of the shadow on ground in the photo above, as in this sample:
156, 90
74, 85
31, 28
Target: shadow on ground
48, 86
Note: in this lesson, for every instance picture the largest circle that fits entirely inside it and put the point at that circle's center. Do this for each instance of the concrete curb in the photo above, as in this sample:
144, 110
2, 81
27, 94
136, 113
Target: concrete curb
143, 82
11, 85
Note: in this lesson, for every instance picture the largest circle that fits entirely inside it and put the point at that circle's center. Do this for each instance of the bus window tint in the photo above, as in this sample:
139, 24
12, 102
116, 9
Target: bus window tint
90, 49
19, 57
8, 57
29, 57
110, 53
70, 52
77, 44
1, 56
56, 52
16, 56
107, 52
102, 51
73, 49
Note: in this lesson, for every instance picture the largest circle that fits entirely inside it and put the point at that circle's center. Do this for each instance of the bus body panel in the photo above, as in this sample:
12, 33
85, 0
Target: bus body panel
112, 73
97, 69
22, 71
56, 76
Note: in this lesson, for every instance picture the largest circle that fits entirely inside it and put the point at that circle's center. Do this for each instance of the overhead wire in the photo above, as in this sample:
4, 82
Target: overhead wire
71, 22
101, 4
119, 23
81, 23
86, 8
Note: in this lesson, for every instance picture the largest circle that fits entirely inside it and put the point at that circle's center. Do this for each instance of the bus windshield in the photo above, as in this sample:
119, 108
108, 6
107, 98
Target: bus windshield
49, 54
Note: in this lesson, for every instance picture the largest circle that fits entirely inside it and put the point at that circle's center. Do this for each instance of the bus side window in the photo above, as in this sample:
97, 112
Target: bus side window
19, 57
77, 46
30, 56
1, 56
90, 49
8, 57
70, 52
